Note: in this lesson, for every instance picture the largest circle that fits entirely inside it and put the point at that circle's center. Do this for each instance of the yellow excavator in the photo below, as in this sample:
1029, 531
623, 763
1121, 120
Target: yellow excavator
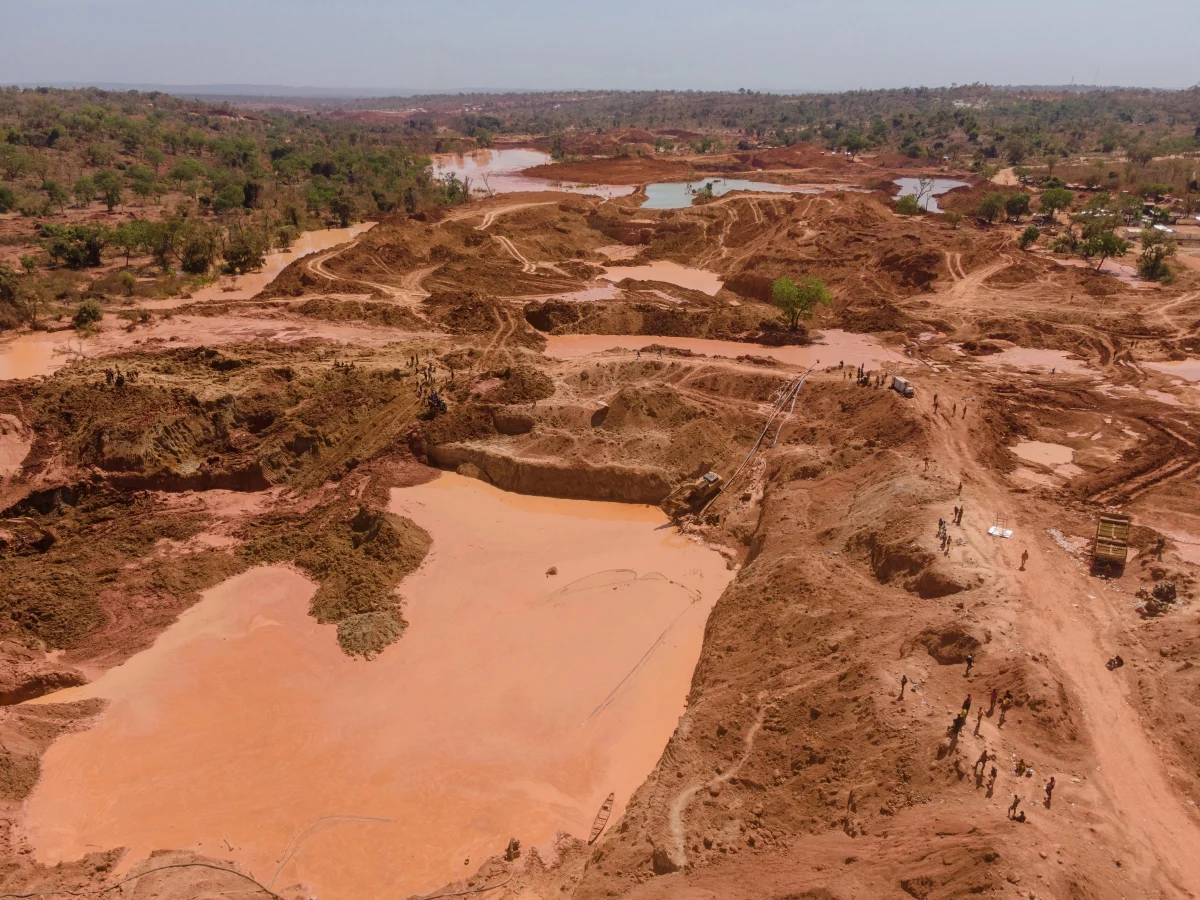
692, 495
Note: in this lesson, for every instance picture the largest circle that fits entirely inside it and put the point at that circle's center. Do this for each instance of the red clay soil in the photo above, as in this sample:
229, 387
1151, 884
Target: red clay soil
800, 769
614, 170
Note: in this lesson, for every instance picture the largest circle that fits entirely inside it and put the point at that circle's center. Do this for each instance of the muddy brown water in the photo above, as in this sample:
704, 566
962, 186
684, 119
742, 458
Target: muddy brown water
243, 287
1029, 359
499, 171
669, 273
513, 705
1187, 369
835, 346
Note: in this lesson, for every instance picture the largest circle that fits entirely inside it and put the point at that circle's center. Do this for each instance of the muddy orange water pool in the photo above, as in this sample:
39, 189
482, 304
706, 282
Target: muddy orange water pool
243, 287
835, 346
515, 702
669, 273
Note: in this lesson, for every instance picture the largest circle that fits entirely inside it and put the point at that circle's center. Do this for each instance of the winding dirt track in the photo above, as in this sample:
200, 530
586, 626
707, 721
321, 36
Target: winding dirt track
1130, 772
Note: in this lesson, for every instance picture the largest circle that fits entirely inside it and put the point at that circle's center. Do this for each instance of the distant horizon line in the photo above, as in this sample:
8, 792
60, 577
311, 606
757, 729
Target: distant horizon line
312, 92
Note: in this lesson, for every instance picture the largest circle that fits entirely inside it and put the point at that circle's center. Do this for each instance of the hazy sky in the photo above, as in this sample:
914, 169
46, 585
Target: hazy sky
545, 44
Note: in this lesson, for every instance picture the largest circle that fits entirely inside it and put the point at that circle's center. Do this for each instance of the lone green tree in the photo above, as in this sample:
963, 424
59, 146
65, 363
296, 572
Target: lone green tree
797, 301
1102, 245
992, 206
1029, 237
1157, 247
1017, 205
1054, 199
84, 191
111, 187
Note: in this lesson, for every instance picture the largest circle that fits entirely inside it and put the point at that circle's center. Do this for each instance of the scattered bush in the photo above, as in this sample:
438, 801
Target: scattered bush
908, 205
1029, 237
88, 313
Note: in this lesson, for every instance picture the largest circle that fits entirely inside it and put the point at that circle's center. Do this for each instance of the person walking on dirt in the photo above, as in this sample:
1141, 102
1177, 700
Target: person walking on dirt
903, 685
927, 464
995, 692
981, 763
1024, 559
966, 707
1158, 548
935, 402
1012, 810
954, 410
978, 721
970, 663
992, 778
1049, 790
964, 409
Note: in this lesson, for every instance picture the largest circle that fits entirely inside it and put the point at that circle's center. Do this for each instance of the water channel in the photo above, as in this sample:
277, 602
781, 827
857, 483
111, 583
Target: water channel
926, 191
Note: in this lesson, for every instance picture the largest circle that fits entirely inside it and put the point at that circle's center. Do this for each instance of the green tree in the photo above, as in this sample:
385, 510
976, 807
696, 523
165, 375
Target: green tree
186, 169
84, 191
154, 156
57, 194
164, 240
992, 206
1157, 248
231, 196
77, 246
909, 205
244, 251
8, 199
13, 161
111, 186
343, 207
1017, 205
796, 301
1102, 244
128, 281
141, 180
129, 237
952, 217
855, 143
1054, 199
88, 313
1029, 237
29, 264
199, 251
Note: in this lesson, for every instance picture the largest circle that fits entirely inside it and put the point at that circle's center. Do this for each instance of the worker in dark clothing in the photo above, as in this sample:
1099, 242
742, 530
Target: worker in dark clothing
966, 707
970, 663
1024, 559
1049, 790
981, 763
